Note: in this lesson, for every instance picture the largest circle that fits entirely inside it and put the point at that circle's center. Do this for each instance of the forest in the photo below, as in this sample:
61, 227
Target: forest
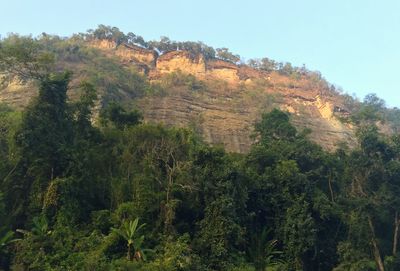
115, 193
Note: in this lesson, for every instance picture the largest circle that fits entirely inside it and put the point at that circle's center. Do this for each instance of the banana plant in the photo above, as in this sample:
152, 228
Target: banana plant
272, 254
40, 227
7, 239
129, 232
264, 252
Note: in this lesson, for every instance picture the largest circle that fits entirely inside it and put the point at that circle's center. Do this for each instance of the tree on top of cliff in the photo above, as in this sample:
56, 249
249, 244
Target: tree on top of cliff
109, 33
165, 45
264, 64
104, 32
225, 54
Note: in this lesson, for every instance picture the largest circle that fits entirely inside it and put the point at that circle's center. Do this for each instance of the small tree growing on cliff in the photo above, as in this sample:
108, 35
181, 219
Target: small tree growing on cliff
109, 33
224, 54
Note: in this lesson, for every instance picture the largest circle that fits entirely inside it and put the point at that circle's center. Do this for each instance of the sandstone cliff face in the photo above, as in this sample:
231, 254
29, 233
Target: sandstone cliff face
182, 61
127, 53
228, 117
223, 70
173, 61
235, 98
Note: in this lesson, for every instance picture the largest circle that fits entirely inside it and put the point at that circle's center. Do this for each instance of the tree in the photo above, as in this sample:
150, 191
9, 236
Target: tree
164, 45
263, 251
264, 64
275, 125
5, 240
267, 64
222, 194
129, 231
286, 68
49, 130
224, 54
120, 117
288, 192
82, 110
370, 111
43, 139
135, 39
39, 230
9, 153
24, 58
299, 233
103, 32
370, 191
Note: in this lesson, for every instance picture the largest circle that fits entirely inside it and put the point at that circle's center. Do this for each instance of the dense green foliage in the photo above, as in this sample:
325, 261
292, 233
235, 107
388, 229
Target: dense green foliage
123, 195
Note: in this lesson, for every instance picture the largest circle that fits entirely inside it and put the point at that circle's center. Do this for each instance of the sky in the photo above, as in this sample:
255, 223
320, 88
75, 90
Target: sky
355, 44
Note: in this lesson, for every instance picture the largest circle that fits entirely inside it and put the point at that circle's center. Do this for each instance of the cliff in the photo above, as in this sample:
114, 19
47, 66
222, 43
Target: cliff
183, 61
142, 58
233, 99
227, 115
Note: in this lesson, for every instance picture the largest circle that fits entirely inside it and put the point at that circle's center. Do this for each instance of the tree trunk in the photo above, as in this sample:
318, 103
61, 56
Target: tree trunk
138, 256
169, 212
330, 186
396, 232
52, 174
377, 254
128, 254
9, 173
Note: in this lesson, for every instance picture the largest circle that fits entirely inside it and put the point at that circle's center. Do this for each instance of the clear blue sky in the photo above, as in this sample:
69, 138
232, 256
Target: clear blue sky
354, 43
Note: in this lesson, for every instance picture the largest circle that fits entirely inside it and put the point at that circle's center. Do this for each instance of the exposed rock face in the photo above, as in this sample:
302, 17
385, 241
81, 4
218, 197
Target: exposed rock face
228, 117
137, 54
218, 117
223, 70
128, 53
182, 61
234, 100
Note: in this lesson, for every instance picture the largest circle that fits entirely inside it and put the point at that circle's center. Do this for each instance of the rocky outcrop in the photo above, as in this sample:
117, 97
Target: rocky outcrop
145, 59
181, 61
172, 61
223, 70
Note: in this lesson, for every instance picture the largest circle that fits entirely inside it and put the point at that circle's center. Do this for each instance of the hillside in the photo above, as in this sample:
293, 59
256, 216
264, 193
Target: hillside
224, 105
298, 175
